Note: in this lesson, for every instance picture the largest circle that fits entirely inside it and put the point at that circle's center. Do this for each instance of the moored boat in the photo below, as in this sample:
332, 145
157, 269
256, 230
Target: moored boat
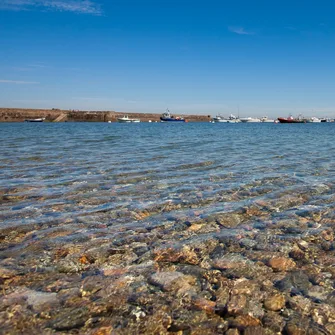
291, 119
313, 119
167, 117
266, 119
249, 119
35, 120
126, 119
231, 119
219, 119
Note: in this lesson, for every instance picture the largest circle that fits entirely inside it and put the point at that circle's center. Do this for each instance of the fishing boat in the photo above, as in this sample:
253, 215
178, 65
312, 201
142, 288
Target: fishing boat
167, 117
35, 120
291, 119
126, 119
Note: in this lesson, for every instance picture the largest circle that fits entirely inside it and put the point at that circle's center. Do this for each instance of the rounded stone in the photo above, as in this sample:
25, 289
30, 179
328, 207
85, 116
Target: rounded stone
280, 264
275, 302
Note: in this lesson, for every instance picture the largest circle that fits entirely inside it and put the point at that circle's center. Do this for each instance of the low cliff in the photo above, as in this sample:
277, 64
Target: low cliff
57, 115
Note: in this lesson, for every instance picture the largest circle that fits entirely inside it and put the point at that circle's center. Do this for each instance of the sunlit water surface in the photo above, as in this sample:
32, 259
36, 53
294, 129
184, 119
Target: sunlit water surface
91, 173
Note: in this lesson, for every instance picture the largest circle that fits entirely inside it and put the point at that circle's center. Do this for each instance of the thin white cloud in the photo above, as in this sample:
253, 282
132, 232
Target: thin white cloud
18, 82
240, 31
75, 6
29, 67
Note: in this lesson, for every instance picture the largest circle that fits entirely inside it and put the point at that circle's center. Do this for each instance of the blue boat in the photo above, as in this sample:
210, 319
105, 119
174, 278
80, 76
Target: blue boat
167, 117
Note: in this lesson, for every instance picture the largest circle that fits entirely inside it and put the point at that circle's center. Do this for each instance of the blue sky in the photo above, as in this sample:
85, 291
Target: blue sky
195, 57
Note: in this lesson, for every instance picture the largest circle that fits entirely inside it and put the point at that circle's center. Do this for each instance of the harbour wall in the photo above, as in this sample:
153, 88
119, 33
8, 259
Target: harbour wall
58, 115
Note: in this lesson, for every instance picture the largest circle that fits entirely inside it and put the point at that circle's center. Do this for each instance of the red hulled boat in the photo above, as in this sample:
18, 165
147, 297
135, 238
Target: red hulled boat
291, 119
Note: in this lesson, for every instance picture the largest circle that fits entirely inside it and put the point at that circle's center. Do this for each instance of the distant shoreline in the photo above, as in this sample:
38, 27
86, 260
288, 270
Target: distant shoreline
59, 115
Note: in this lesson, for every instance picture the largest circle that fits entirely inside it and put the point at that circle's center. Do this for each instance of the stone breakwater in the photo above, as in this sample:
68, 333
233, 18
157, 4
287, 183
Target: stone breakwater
248, 271
55, 115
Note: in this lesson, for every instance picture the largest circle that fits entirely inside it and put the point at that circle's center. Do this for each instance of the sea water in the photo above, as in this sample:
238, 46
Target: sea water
87, 167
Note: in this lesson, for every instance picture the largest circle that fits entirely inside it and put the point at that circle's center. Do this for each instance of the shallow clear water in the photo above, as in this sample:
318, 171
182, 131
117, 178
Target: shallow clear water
99, 172
164, 228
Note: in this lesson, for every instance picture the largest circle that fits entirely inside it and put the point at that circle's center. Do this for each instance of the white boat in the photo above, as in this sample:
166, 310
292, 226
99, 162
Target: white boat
125, 119
249, 119
266, 119
313, 119
231, 119
219, 119
35, 120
